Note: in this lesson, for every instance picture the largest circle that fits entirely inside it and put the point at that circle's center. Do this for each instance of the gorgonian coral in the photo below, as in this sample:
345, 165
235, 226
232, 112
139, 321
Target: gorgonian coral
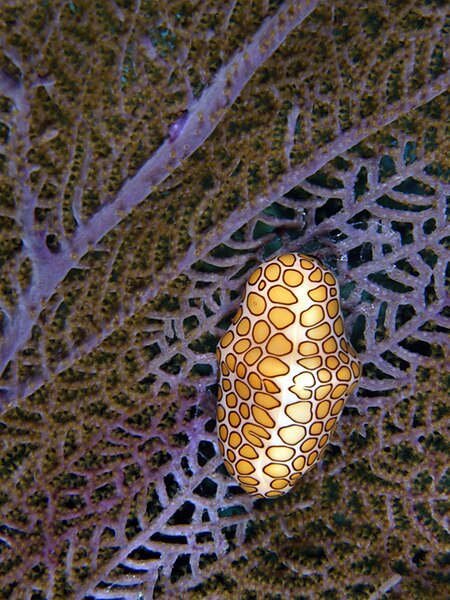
150, 158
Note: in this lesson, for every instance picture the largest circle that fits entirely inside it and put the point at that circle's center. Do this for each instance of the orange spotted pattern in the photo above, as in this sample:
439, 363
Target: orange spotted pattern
286, 369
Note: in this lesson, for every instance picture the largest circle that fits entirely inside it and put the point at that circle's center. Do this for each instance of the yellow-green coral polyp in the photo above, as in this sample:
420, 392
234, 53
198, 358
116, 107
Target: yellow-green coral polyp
285, 371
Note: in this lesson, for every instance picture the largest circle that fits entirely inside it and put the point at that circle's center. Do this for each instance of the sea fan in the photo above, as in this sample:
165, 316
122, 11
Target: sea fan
151, 154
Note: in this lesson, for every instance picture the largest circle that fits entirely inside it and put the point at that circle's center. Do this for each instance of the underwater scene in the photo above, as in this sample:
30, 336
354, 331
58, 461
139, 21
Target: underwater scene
224, 316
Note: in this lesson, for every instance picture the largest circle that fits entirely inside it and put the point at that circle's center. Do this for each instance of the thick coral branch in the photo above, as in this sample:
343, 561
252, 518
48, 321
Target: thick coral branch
187, 135
292, 178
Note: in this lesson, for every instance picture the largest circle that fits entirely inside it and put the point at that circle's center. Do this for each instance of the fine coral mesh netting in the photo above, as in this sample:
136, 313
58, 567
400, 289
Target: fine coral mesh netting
149, 160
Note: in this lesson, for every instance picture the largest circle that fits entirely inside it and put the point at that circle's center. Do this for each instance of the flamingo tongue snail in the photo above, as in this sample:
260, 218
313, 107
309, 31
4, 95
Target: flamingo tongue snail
286, 369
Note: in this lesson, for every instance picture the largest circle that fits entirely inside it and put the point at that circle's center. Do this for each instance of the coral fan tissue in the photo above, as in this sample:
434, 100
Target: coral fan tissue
158, 160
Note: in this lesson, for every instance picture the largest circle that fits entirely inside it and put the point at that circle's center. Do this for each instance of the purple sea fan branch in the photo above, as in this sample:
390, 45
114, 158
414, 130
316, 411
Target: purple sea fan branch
293, 177
296, 175
187, 135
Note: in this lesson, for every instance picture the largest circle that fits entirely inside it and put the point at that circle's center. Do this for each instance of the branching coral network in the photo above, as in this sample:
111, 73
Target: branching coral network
150, 158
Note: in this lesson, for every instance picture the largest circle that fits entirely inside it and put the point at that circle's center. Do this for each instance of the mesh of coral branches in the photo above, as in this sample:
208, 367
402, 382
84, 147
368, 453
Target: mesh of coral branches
128, 232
